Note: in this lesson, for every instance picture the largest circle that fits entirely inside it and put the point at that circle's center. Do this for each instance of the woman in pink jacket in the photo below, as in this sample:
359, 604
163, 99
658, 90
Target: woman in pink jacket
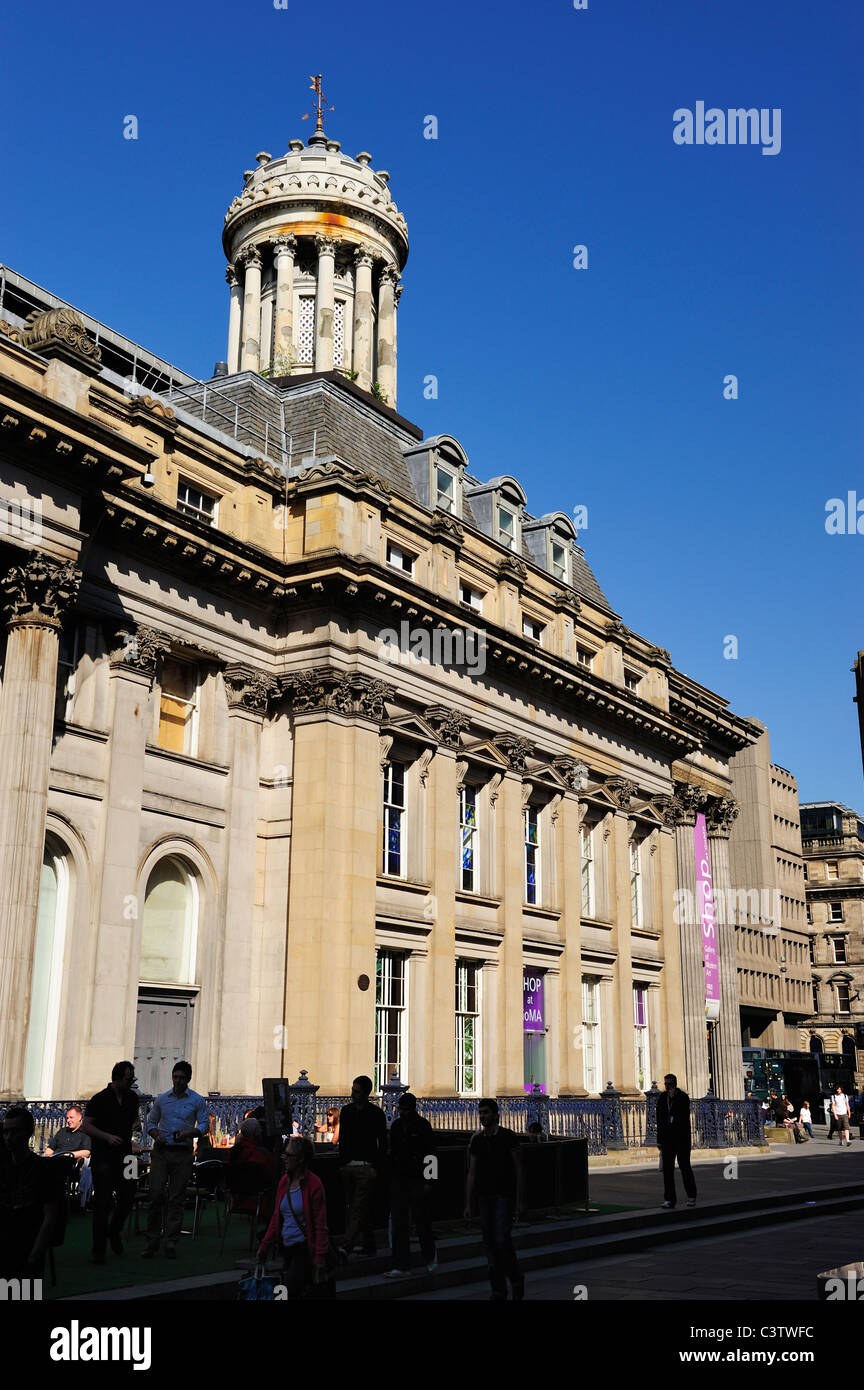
299, 1221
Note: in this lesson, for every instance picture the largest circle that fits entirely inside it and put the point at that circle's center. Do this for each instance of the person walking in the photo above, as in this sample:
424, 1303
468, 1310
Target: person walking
299, 1223
177, 1117
362, 1151
841, 1110
109, 1118
805, 1119
495, 1183
412, 1150
673, 1141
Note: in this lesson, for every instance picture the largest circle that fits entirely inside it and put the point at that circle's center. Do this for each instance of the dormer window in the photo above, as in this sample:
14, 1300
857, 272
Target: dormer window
444, 490
400, 559
559, 563
506, 534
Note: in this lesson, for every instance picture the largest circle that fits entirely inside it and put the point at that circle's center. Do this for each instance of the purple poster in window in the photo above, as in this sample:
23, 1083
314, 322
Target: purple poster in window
532, 1003
705, 893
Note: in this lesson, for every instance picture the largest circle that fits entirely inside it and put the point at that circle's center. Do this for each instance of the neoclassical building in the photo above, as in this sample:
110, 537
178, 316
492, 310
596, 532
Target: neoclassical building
318, 750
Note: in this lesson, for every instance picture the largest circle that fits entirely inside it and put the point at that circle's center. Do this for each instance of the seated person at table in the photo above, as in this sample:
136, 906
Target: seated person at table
71, 1139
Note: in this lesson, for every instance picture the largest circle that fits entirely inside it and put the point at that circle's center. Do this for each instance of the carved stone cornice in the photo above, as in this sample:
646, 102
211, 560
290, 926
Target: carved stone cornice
616, 631
247, 688
658, 656
567, 601
682, 807
60, 333
513, 569
720, 813
448, 724
155, 415
515, 749
285, 244
139, 648
445, 527
622, 791
39, 592
575, 773
324, 689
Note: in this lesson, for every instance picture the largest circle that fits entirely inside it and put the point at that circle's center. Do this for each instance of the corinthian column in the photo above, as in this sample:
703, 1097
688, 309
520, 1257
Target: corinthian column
284, 249
35, 597
729, 1081
386, 368
362, 363
251, 353
326, 248
234, 317
681, 815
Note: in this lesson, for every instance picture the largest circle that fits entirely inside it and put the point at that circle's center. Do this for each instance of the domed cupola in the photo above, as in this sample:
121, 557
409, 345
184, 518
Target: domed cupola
315, 247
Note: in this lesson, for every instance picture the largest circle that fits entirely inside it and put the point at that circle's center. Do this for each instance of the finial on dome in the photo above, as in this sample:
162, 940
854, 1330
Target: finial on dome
319, 138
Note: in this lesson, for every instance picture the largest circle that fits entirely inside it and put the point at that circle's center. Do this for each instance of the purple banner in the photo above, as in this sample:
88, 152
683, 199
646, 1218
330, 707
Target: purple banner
705, 893
532, 1003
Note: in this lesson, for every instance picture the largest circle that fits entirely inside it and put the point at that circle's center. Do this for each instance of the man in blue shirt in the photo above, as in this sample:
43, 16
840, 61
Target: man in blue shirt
176, 1118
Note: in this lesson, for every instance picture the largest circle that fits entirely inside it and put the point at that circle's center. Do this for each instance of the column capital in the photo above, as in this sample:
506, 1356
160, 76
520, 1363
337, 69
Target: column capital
680, 809
137, 647
247, 688
720, 813
397, 293
231, 276
250, 257
326, 689
362, 256
389, 274
40, 591
325, 245
622, 791
284, 245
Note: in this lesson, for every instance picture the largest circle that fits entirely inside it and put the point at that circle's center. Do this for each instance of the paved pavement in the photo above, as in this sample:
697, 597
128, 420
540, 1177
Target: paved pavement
774, 1262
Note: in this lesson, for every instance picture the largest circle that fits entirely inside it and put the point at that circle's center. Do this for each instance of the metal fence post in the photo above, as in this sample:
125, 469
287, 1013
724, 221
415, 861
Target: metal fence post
538, 1108
651, 1099
613, 1126
709, 1129
303, 1095
390, 1093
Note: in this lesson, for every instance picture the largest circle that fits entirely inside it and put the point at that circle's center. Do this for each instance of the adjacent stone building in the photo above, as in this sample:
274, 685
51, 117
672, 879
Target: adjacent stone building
319, 750
833, 839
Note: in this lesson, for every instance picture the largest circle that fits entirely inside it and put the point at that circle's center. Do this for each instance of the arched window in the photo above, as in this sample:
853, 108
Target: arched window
169, 932
47, 974
849, 1047
816, 1045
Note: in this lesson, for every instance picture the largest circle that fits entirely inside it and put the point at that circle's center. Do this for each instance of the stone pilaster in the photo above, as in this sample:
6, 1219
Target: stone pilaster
687, 800
235, 316
444, 847
362, 361
510, 1058
135, 655
250, 360
248, 693
386, 365
621, 1066
729, 1078
36, 595
572, 1052
284, 250
326, 248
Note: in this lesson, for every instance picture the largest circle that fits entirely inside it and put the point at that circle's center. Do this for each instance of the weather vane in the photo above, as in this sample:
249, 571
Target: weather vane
320, 104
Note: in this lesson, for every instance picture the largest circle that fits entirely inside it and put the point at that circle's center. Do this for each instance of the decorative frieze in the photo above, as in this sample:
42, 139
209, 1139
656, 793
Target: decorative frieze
325, 688
40, 591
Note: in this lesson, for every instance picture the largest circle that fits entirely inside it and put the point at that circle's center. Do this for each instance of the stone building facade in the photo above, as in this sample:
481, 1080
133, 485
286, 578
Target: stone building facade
833, 838
768, 909
318, 750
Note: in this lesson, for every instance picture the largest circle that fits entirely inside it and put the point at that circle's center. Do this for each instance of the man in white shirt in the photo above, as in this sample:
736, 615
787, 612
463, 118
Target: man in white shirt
176, 1118
840, 1109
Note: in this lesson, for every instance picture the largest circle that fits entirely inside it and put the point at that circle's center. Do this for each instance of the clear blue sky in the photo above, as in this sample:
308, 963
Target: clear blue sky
600, 387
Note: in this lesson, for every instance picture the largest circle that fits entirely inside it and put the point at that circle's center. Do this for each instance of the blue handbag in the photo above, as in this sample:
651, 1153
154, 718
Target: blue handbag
258, 1288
